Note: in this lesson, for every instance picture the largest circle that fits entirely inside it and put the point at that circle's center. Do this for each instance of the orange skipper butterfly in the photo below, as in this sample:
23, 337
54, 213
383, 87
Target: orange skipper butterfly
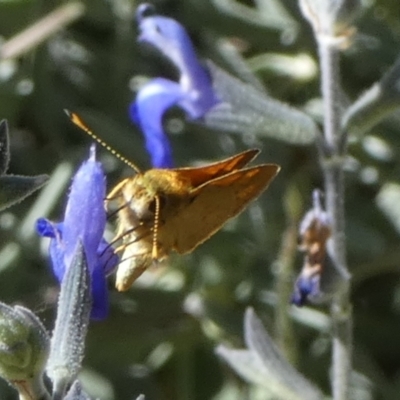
165, 210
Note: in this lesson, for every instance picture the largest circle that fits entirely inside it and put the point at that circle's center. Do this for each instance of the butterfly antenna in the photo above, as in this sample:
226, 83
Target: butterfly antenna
79, 123
154, 253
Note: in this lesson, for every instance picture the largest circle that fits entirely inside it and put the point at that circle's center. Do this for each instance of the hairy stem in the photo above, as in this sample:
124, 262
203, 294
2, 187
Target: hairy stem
332, 162
284, 285
32, 389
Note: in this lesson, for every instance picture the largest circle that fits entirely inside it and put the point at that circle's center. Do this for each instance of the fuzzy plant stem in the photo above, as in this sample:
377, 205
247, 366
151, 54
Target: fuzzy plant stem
332, 153
32, 390
284, 331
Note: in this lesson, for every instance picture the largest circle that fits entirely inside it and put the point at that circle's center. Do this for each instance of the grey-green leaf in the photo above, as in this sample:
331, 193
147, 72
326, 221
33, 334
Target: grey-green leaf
4, 147
269, 14
263, 364
262, 345
246, 110
239, 65
375, 104
76, 392
14, 188
68, 341
244, 363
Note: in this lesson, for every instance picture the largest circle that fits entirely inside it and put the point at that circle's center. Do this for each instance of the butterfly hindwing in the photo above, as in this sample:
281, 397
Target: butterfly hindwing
212, 204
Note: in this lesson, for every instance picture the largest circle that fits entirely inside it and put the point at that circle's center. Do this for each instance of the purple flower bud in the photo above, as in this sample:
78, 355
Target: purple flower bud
307, 286
315, 230
84, 220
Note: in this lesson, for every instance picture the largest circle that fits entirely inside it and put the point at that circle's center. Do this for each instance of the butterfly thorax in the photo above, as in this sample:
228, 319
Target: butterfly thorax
140, 191
136, 198
165, 182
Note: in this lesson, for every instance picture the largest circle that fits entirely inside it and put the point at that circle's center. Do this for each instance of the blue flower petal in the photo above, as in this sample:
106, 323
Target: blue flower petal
57, 256
151, 103
315, 230
194, 93
85, 220
46, 228
134, 113
85, 215
99, 294
107, 257
144, 10
172, 40
307, 287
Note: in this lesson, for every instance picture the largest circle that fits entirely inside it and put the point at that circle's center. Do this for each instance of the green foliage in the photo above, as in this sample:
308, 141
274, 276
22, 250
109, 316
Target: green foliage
14, 188
161, 335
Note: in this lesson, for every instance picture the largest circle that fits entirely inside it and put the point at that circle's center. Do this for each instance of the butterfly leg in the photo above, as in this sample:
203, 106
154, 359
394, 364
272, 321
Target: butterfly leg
116, 191
131, 268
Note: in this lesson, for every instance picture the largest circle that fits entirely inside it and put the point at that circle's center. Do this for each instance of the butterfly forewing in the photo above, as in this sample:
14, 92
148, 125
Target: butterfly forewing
211, 205
201, 175
193, 204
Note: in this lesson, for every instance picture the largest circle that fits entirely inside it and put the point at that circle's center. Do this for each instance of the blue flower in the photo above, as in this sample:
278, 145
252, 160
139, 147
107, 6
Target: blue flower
307, 286
193, 93
315, 231
85, 220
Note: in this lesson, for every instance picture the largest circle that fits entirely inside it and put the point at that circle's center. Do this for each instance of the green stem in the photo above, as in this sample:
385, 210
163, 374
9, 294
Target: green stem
32, 389
284, 285
332, 161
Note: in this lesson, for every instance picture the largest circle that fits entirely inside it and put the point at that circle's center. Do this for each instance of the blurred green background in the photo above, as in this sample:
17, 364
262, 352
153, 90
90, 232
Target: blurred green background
160, 337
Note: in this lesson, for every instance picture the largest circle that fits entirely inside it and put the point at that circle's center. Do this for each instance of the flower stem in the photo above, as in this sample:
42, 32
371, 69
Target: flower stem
332, 155
33, 389
284, 284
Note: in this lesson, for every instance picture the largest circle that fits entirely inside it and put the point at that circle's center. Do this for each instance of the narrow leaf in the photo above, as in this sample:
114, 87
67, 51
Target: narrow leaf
4, 147
375, 104
246, 364
76, 392
238, 64
67, 343
388, 200
246, 110
262, 345
14, 188
271, 14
